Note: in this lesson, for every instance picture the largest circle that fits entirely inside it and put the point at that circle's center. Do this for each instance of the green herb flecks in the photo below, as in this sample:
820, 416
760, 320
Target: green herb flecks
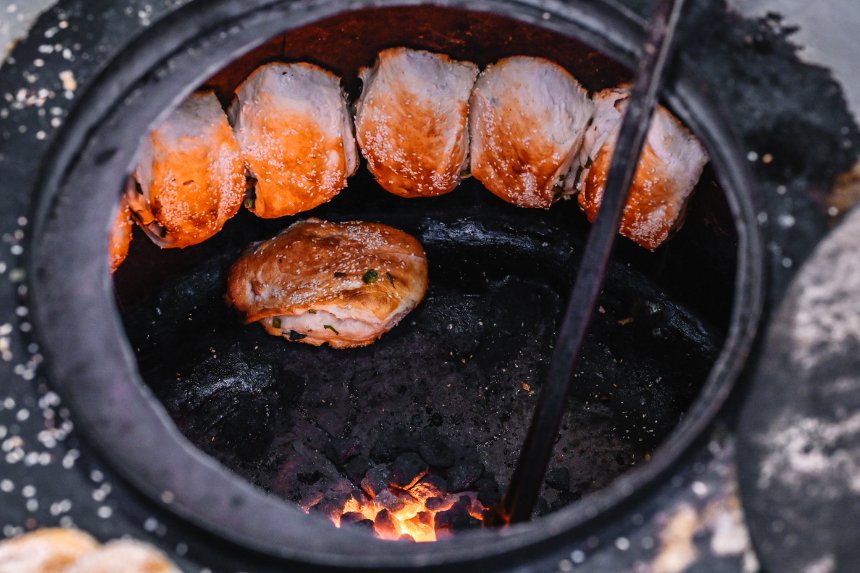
312, 311
330, 327
390, 277
276, 322
370, 277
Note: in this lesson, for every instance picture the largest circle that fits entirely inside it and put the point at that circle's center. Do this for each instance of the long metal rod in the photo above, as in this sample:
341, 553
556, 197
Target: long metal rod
522, 493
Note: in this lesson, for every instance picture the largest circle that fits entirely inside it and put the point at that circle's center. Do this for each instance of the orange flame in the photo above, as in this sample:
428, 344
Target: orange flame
405, 515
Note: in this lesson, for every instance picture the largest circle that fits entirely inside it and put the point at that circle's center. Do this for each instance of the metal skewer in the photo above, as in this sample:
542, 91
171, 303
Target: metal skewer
519, 500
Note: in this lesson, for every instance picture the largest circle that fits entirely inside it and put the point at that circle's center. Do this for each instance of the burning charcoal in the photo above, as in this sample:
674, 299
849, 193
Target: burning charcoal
434, 503
389, 501
406, 537
436, 481
364, 523
488, 491
436, 452
358, 495
424, 517
558, 478
384, 525
341, 450
376, 480
462, 476
329, 506
407, 469
391, 444
457, 518
352, 517
356, 468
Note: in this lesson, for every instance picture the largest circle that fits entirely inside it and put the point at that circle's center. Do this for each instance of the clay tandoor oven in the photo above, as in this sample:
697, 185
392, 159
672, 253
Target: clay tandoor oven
155, 358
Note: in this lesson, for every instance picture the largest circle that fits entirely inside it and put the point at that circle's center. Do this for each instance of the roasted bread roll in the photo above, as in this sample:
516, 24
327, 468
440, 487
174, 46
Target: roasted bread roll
295, 132
669, 168
45, 551
527, 120
344, 284
127, 556
190, 175
412, 121
120, 235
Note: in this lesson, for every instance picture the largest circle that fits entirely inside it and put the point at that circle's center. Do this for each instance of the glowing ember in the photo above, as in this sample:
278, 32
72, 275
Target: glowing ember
420, 513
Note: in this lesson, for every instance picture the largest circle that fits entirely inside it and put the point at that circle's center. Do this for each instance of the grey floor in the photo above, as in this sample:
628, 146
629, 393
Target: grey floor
829, 35
15, 19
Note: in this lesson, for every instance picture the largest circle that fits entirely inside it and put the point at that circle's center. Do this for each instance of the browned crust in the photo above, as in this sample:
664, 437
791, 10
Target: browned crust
651, 190
50, 550
120, 237
515, 167
516, 163
189, 200
316, 264
291, 170
410, 128
293, 175
417, 133
127, 556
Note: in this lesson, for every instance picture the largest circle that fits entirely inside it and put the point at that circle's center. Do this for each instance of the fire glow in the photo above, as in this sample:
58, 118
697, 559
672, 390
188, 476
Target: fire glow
419, 513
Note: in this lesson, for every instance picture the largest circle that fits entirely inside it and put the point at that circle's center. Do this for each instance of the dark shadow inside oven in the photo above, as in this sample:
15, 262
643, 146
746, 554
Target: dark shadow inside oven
465, 368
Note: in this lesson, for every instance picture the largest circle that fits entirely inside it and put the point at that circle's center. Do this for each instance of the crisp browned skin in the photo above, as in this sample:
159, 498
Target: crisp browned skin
45, 551
517, 167
420, 173
191, 173
120, 237
182, 198
670, 165
650, 191
412, 121
311, 281
295, 132
293, 173
527, 119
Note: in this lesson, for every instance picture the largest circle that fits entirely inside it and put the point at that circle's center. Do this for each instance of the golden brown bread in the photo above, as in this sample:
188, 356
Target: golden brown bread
294, 128
126, 556
120, 236
55, 550
669, 167
527, 120
318, 282
412, 121
190, 173
49, 550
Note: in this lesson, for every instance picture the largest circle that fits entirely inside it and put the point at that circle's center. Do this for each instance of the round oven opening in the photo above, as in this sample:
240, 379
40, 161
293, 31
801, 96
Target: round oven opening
146, 356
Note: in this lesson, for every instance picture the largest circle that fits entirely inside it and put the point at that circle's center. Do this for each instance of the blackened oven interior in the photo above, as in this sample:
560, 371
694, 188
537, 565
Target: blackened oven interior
461, 373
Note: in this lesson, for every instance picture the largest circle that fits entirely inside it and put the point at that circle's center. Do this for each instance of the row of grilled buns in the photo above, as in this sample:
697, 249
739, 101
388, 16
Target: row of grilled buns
524, 127
57, 550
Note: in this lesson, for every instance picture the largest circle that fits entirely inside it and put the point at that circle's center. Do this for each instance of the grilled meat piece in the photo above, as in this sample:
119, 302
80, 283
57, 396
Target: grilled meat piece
345, 284
412, 121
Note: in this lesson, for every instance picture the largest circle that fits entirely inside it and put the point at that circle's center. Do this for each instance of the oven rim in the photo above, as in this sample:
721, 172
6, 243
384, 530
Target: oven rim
166, 57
